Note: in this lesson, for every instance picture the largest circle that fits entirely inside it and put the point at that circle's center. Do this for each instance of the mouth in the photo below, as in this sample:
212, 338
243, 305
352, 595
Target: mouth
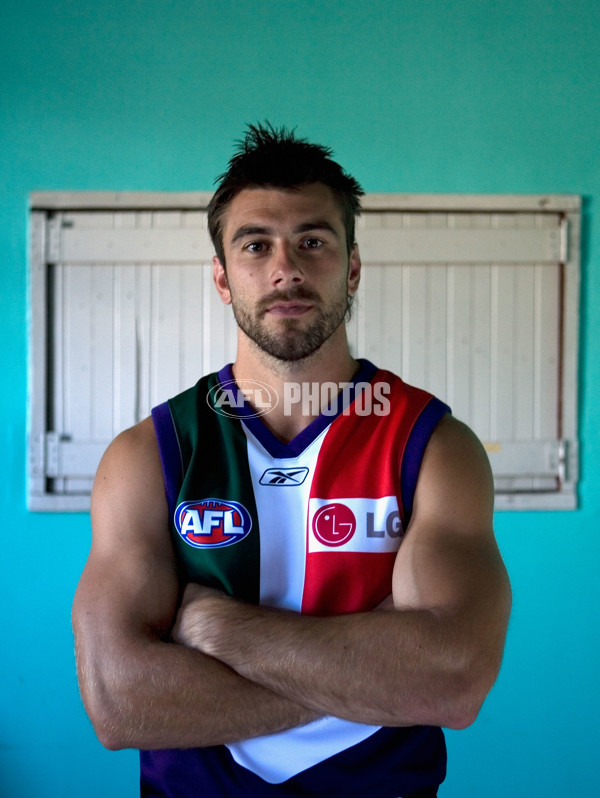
293, 308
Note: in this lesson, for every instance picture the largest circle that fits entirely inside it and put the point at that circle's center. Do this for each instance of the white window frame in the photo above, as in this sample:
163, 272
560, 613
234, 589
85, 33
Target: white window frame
45, 449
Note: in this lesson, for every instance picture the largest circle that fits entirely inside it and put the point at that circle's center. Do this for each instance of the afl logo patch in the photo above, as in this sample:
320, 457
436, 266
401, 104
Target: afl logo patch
212, 523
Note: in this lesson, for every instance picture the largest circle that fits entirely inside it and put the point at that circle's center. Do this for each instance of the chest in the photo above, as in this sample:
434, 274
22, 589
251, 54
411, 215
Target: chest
315, 533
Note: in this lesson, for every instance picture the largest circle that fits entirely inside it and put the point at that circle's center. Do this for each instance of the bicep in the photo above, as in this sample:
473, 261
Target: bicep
129, 585
449, 560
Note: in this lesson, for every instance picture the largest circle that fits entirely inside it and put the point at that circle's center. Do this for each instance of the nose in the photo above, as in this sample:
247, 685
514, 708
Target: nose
285, 267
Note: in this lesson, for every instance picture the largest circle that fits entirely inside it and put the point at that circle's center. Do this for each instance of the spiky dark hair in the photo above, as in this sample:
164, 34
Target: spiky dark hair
276, 157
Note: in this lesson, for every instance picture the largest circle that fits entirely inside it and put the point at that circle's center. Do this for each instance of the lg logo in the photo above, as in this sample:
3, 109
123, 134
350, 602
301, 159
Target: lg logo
336, 524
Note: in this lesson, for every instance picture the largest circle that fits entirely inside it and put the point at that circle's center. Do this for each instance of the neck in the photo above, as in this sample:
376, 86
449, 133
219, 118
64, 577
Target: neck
332, 363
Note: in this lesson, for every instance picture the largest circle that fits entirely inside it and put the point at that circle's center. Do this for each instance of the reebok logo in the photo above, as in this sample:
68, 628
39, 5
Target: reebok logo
284, 476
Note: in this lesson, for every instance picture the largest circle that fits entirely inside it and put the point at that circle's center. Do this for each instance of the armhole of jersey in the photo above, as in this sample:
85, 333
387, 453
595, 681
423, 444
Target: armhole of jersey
170, 453
415, 449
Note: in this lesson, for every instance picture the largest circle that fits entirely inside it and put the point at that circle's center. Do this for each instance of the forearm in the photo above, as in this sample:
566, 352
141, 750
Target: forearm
154, 694
384, 668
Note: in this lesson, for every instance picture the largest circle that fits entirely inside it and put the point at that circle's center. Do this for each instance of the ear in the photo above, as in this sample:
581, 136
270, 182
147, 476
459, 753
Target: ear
354, 267
220, 281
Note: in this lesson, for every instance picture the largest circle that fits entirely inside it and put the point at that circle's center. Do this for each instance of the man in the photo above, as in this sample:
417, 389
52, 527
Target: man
290, 602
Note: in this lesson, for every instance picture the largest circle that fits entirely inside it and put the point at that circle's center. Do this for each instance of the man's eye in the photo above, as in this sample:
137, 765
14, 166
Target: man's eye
255, 246
313, 243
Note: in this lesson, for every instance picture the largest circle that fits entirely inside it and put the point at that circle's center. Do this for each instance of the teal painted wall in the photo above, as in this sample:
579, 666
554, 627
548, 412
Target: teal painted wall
414, 96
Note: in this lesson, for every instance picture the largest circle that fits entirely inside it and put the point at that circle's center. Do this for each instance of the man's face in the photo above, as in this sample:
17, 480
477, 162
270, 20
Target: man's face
288, 273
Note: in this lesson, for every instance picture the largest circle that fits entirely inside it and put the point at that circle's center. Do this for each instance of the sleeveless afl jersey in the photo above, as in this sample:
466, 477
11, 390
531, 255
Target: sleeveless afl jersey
312, 526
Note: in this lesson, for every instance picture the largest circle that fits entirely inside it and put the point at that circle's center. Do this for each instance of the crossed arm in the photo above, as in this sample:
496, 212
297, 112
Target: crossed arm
157, 670
140, 689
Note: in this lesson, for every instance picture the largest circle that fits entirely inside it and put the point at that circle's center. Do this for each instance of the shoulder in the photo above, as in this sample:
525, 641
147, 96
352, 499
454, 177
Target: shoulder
450, 549
454, 437
455, 484
129, 485
136, 446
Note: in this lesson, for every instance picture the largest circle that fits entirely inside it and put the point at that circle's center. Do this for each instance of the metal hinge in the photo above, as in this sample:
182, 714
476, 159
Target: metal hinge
58, 456
44, 455
564, 239
54, 225
52, 454
562, 460
37, 456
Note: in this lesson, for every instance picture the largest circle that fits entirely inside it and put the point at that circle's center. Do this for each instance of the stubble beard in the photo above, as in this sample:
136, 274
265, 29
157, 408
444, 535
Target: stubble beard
291, 342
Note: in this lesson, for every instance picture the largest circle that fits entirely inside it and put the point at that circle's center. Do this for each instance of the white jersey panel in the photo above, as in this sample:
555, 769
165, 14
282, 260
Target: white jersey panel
281, 491
278, 757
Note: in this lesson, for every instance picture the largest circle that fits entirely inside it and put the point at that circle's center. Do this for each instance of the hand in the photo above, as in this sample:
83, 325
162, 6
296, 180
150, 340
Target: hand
195, 623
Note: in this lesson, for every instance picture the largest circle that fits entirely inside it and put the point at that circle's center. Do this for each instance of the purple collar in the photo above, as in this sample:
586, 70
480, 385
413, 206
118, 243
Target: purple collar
297, 445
